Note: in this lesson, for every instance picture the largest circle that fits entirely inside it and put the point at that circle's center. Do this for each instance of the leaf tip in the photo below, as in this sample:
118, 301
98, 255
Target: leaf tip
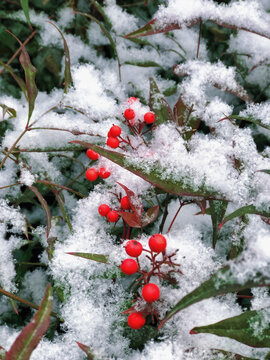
192, 332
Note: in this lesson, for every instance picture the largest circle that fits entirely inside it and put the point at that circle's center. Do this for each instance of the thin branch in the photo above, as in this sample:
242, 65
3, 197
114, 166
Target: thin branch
199, 40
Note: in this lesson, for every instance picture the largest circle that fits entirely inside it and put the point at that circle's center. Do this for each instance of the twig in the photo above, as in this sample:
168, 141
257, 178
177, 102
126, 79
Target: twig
199, 40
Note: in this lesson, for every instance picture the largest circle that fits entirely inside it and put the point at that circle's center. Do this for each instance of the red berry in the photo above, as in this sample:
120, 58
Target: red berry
112, 142
103, 209
131, 100
112, 216
136, 320
129, 114
134, 248
92, 154
115, 131
150, 292
91, 174
149, 117
157, 243
129, 266
125, 204
103, 173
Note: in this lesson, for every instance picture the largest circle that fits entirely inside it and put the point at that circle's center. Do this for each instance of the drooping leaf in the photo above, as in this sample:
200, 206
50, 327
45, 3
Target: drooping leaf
18, 80
135, 202
103, 13
217, 209
67, 72
30, 74
86, 350
95, 257
222, 282
131, 219
45, 206
249, 209
150, 215
159, 105
154, 175
8, 110
32, 333
25, 7
251, 328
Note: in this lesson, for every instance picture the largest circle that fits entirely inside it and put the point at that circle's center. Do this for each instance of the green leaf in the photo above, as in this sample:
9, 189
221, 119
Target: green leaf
170, 91
94, 257
50, 248
228, 355
102, 12
249, 209
32, 333
143, 63
180, 112
2, 353
217, 209
150, 29
154, 175
61, 205
159, 105
267, 357
267, 171
222, 282
67, 72
87, 350
25, 7
8, 110
30, 74
13, 305
45, 206
248, 119
18, 80
251, 328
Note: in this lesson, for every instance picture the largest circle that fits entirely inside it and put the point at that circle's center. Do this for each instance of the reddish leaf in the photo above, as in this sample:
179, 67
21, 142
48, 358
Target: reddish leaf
32, 333
150, 215
131, 219
87, 350
202, 205
135, 202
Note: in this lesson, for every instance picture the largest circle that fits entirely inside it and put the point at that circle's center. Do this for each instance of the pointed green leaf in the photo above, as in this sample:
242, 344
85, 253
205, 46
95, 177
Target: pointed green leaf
154, 175
102, 12
250, 119
222, 282
45, 206
32, 333
13, 305
150, 29
267, 171
8, 110
143, 63
67, 72
217, 209
159, 105
18, 80
25, 7
251, 328
87, 350
94, 257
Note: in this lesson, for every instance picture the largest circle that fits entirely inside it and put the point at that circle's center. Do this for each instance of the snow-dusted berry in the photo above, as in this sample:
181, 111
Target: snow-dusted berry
150, 292
103, 173
91, 174
129, 114
136, 320
133, 248
115, 131
129, 266
125, 204
103, 209
112, 142
112, 216
149, 117
157, 243
131, 100
92, 154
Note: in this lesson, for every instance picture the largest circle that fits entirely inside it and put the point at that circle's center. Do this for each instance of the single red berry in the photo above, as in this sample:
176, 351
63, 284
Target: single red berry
92, 154
129, 114
103, 173
129, 266
131, 100
115, 131
112, 142
136, 320
150, 292
134, 248
103, 209
125, 204
112, 216
149, 117
91, 174
157, 243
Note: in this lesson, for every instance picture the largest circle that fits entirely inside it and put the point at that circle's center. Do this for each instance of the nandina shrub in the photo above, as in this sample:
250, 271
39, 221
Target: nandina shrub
134, 179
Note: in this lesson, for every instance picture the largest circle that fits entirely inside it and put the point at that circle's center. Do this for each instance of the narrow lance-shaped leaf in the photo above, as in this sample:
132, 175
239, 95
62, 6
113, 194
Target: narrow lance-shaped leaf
222, 282
8, 110
267, 171
251, 328
95, 257
86, 349
154, 175
30, 74
32, 333
18, 80
67, 72
45, 206
229, 355
217, 209
143, 63
13, 305
250, 119
25, 7
159, 105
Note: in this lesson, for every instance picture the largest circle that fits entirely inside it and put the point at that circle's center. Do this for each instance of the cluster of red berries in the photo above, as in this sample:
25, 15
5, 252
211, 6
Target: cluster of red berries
112, 215
113, 134
92, 174
150, 292
129, 113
